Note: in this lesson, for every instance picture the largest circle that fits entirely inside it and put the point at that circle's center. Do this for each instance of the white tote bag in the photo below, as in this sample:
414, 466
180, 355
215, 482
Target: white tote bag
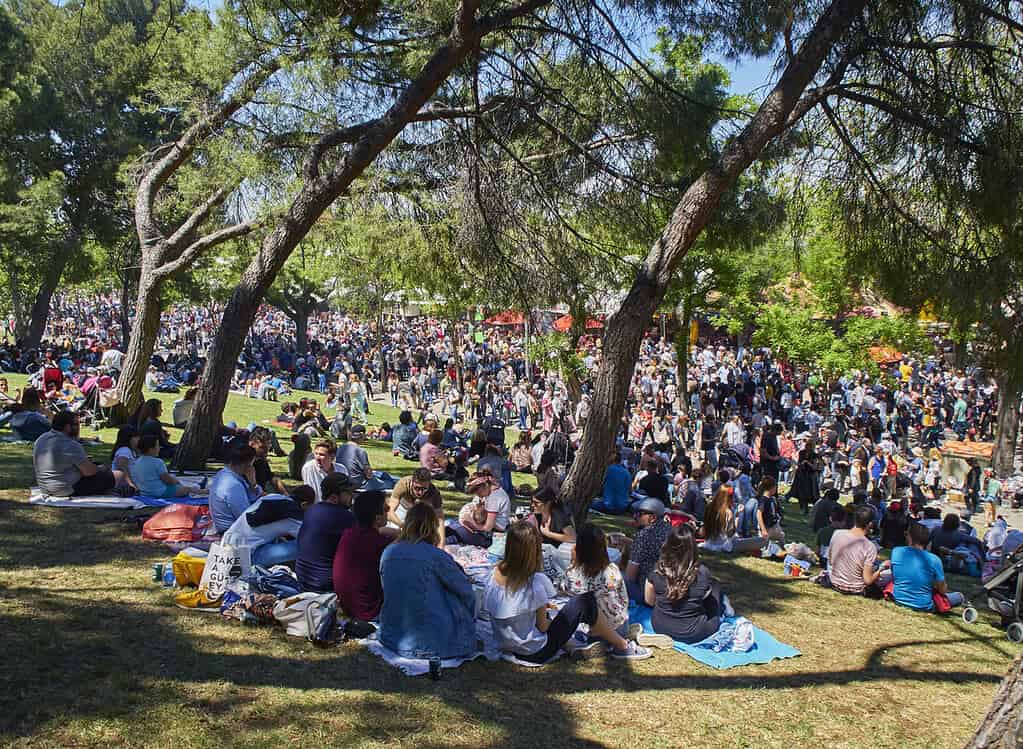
225, 565
301, 615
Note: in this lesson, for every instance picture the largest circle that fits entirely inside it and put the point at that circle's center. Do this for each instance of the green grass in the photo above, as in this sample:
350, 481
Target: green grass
96, 655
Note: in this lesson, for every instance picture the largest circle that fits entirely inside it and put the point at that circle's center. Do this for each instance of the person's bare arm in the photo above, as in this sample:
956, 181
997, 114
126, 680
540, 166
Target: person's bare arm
940, 586
88, 468
649, 597
392, 510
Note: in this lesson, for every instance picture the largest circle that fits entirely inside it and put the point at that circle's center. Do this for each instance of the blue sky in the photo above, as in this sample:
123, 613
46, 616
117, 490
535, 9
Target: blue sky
749, 75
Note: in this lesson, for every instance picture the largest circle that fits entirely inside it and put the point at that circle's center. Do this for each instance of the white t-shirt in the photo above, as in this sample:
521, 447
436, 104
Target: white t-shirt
513, 615
498, 501
127, 453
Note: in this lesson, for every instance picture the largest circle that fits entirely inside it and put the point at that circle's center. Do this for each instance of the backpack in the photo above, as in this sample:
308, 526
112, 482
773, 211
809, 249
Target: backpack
309, 615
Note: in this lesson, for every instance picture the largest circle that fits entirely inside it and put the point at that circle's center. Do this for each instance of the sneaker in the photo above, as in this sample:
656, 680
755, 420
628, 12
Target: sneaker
583, 649
650, 640
632, 652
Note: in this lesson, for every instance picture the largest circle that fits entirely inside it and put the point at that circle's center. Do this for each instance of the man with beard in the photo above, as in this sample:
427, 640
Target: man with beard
62, 468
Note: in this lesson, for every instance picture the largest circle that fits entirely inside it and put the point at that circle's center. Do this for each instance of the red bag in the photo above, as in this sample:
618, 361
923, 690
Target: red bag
178, 523
941, 603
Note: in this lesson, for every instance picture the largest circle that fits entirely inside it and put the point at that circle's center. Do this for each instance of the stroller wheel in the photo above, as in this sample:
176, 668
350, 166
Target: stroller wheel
1015, 632
970, 615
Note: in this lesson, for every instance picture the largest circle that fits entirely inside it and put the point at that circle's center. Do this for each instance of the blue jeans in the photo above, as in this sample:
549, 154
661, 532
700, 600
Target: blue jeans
277, 552
323, 382
635, 588
601, 505
523, 417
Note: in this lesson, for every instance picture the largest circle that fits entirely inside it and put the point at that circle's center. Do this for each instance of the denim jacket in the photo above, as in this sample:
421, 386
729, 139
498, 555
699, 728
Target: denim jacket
429, 604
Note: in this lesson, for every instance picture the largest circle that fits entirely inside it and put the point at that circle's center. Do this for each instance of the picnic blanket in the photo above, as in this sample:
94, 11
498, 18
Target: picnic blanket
765, 648
419, 666
109, 502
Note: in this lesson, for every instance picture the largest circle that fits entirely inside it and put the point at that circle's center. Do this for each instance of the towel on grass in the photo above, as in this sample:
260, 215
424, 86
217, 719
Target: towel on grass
420, 666
765, 649
109, 502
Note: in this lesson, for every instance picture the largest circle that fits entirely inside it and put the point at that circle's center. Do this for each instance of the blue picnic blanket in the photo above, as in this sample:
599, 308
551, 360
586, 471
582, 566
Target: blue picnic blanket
765, 649
160, 502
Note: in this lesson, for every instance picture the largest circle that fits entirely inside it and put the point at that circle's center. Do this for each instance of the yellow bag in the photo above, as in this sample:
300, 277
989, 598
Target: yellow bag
196, 600
187, 569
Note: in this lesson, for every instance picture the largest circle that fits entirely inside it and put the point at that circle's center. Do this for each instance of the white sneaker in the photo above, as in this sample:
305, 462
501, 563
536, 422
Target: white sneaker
651, 640
632, 652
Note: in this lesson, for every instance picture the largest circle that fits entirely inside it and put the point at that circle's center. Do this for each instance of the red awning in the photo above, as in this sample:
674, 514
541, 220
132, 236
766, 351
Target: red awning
508, 317
563, 323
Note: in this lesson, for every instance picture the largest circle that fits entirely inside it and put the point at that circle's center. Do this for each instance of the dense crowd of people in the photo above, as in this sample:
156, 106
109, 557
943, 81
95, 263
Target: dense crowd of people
702, 466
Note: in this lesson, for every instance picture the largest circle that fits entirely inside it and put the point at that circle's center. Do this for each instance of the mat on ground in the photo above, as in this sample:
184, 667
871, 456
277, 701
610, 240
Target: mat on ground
765, 648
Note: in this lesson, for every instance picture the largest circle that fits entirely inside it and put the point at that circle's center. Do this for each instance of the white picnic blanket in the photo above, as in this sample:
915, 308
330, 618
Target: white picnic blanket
420, 666
100, 502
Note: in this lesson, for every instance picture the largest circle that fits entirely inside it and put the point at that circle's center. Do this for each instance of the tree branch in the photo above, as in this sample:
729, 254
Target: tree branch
190, 254
196, 219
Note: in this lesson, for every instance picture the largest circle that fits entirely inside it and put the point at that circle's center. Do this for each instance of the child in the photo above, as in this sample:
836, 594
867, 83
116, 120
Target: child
518, 600
837, 518
473, 511
124, 455
149, 472
592, 570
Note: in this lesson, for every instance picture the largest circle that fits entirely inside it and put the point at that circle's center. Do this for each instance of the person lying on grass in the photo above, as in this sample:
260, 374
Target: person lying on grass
149, 472
518, 599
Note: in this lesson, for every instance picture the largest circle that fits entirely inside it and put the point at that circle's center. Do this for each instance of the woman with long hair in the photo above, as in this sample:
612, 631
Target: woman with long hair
719, 526
518, 600
429, 605
687, 601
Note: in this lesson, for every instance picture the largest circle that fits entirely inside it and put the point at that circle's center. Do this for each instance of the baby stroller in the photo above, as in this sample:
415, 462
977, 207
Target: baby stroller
1004, 591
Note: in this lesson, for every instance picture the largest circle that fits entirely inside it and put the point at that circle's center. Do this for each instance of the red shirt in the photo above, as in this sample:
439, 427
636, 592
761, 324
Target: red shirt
357, 572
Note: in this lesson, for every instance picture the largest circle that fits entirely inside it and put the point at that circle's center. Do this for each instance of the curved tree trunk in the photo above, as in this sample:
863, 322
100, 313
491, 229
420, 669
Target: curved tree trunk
1002, 727
1010, 393
782, 109
144, 331
40, 311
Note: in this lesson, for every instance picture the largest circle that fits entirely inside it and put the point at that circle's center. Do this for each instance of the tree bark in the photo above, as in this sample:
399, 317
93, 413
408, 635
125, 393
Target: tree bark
40, 311
17, 305
1002, 727
1010, 394
144, 332
782, 108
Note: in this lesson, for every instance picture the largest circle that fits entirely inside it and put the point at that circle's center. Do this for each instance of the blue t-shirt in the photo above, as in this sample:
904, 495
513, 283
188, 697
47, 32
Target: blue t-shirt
145, 474
230, 496
617, 486
915, 572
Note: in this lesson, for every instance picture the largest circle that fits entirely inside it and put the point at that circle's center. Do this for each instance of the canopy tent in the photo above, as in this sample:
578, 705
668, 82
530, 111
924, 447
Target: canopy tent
885, 355
564, 323
508, 317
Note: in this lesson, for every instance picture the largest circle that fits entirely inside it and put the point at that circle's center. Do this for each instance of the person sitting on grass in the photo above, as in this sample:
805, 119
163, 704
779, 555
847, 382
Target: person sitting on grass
149, 472
593, 571
949, 536
31, 420
124, 454
614, 499
407, 492
429, 604
322, 527
233, 488
720, 528
645, 550
356, 567
688, 603
298, 457
824, 535
769, 511
319, 466
918, 575
269, 528
852, 558
62, 468
403, 437
498, 506
518, 600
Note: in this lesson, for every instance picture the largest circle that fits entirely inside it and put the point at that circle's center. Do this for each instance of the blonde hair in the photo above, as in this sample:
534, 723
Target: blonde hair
421, 524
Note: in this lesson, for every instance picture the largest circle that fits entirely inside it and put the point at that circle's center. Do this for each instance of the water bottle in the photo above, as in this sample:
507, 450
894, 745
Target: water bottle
169, 579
